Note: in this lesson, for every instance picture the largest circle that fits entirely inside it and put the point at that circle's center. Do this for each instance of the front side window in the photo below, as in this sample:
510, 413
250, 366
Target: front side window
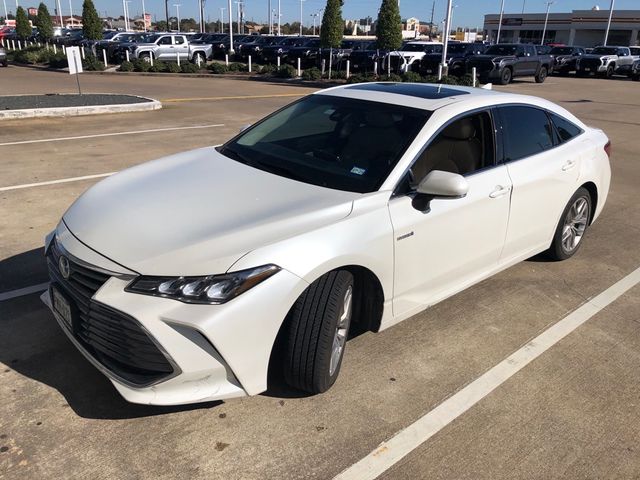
334, 142
164, 41
566, 130
526, 131
501, 50
464, 146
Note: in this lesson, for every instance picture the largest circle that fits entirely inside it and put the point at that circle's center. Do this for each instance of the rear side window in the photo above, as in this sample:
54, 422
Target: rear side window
566, 130
526, 132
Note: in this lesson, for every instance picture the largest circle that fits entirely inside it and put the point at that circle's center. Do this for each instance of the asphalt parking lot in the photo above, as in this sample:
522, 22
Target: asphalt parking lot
570, 413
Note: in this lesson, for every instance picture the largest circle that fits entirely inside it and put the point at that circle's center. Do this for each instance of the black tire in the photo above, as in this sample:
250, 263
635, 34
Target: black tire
5, 64
557, 251
145, 57
541, 75
203, 58
312, 326
505, 76
609, 72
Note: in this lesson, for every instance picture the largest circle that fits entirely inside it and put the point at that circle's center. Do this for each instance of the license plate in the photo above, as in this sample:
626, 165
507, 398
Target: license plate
587, 69
62, 307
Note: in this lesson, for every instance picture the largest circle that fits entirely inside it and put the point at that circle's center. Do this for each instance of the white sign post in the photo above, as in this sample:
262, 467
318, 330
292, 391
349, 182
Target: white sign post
75, 64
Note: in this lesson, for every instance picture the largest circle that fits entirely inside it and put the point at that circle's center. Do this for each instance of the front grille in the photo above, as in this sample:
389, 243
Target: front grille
114, 339
590, 63
482, 65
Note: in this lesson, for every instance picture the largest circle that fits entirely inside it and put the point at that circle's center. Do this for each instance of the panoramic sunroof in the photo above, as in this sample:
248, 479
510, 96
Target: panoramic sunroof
410, 89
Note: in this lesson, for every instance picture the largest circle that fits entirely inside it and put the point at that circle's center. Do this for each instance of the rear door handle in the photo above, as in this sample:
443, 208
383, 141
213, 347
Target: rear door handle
569, 165
500, 191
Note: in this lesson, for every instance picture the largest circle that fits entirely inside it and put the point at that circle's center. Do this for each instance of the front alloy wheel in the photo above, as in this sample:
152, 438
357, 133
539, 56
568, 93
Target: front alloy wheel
572, 227
316, 332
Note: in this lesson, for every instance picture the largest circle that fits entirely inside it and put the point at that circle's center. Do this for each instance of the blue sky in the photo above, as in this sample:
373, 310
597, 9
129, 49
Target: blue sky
468, 13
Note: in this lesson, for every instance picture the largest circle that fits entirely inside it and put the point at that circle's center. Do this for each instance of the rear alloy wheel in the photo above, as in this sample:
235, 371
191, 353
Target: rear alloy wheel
317, 332
145, 57
542, 75
505, 78
572, 226
199, 55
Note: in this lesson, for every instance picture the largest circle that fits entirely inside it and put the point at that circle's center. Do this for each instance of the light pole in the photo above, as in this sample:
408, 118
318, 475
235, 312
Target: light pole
279, 16
70, 11
124, 8
445, 36
546, 19
128, 22
314, 15
178, 5
231, 51
238, 3
222, 9
606, 35
270, 18
200, 15
523, 4
144, 16
59, 13
301, 16
500, 20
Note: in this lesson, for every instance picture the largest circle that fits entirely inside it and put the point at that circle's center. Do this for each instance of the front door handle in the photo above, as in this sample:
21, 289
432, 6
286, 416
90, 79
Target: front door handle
569, 165
500, 191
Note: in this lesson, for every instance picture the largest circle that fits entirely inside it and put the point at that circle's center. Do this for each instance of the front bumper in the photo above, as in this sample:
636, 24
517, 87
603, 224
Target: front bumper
216, 351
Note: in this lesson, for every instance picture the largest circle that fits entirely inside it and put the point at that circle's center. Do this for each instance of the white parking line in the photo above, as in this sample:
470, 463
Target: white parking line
23, 291
53, 182
407, 440
132, 132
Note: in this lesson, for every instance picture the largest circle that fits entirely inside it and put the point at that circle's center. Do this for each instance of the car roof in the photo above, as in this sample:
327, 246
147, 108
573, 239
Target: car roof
432, 97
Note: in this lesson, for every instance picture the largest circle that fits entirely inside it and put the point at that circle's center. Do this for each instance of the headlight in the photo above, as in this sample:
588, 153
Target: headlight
204, 290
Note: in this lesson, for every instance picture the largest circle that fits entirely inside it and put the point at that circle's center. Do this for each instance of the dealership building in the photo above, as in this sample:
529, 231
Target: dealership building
580, 27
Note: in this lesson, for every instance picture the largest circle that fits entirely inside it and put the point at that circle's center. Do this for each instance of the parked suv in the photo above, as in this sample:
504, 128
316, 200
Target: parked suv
504, 62
565, 59
605, 62
170, 47
457, 54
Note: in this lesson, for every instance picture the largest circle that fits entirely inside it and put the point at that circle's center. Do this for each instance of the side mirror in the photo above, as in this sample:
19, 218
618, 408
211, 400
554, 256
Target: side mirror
444, 185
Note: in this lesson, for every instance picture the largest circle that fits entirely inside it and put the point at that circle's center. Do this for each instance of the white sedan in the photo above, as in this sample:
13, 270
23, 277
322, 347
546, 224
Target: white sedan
188, 278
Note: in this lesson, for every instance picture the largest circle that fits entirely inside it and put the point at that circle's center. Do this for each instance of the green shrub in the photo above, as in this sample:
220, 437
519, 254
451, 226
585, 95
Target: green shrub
286, 71
339, 75
218, 68
238, 67
32, 55
312, 73
158, 67
141, 65
190, 68
173, 67
267, 69
359, 78
92, 64
394, 77
126, 67
414, 77
58, 60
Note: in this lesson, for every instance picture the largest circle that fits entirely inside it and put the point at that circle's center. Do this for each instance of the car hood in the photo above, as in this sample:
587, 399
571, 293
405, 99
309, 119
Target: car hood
599, 57
197, 213
491, 57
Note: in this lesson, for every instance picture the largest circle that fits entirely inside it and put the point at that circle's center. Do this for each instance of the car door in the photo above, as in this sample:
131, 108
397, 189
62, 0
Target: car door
442, 249
544, 174
165, 47
181, 47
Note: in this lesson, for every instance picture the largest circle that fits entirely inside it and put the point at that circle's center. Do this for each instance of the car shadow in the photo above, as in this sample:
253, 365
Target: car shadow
33, 345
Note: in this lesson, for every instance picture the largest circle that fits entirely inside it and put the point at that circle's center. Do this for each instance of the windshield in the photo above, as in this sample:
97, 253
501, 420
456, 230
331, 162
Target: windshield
605, 51
458, 48
108, 35
334, 142
501, 50
561, 51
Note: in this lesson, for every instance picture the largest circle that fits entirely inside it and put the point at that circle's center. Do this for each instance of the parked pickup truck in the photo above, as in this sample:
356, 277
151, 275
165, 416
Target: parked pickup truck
565, 59
170, 47
408, 57
457, 54
503, 62
605, 62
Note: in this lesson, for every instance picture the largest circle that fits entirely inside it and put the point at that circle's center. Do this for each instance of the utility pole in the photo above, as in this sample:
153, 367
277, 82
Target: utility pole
500, 20
606, 35
546, 19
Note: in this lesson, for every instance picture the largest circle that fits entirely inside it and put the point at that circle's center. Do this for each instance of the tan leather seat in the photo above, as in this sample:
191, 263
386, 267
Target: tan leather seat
456, 149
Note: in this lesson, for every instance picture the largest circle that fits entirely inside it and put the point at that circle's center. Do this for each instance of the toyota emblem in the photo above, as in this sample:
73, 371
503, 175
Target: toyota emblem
63, 265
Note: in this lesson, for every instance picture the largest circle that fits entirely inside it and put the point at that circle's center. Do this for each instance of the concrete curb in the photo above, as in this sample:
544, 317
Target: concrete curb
83, 110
